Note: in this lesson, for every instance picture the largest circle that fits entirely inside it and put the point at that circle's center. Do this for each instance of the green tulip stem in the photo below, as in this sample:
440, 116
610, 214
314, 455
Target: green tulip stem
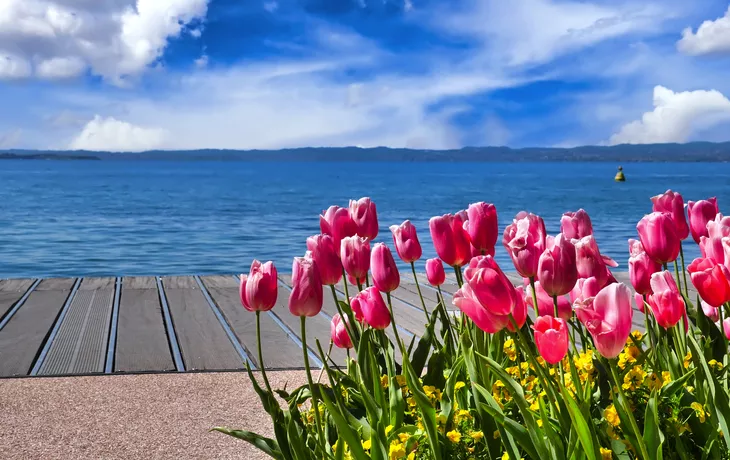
418, 287
315, 405
392, 320
261, 355
632, 420
684, 269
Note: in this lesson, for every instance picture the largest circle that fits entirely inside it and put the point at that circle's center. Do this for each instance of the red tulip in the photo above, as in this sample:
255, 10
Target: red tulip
712, 248
259, 289
354, 281
482, 227
406, 242
327, 256
658, 235
336, 222
711, 281
306, 294
641, 267
711, 312
374, 310
551, 338
519, 312
665, 301
700, 213
338, 332
589, 261
435, 272
546, 304
673, 203
556, 268
608, 319
585, 288
385, 273
355, 256
524, 240
356, 307
450, 239
576, 225
365, 217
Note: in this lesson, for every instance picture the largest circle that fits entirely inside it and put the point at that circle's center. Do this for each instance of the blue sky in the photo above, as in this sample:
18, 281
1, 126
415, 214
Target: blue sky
187, 74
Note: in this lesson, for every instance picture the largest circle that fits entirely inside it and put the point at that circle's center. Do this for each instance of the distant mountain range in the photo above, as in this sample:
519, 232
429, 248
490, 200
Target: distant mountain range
691, 152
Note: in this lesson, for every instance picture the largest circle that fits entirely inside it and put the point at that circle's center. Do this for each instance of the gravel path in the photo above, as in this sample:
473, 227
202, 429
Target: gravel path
149, 416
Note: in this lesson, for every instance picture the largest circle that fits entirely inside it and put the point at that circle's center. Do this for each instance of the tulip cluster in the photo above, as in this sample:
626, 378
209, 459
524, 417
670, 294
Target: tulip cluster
538, 363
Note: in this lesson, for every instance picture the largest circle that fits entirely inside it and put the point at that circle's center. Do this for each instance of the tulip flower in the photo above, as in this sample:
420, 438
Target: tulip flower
487, 296
450, 239
406, 242
259, 289
519, 312
585, 288
546, 303
711, 281
639, 299
589, 261
608, 319
665, 301
336, 222
355, 256
385, 273
719, 227
641, 267
327, 256
482, 227
355, 281
726, 327
711, 312
365, 217
356, 307
673, 204
658, 235
338, 332
576, 225
700, 213
435, 272
551, 338
374, 311
306, 294
524, 240
556, 268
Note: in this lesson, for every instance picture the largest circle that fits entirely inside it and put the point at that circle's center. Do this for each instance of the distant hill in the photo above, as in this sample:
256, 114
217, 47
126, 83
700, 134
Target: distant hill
691, 152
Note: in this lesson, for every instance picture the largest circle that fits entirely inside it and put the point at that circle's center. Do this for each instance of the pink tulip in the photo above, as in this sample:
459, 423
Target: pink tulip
336, 222
482, 227
726, 327
365, 217
435, 272
354, 281
665, 301
327, 256
355, 256
719, 227
490, 285
711, 312
385, 273
450, 239
406, 242
658, 235
576, 225
608, 319
589, 261
306, 294
641, 267
700, 213
259, 289
585, 288
711, 281
712, 248
519, 312
524, 240
556, 268
639, 299
338, 332
356, 307
546, 304
551, 338
673, 203
374, 310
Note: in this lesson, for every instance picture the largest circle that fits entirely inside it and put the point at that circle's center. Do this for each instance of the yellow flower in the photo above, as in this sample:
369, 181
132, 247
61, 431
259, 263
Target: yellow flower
500, 392
666, 377
384, 381
366, 444
459, 386
404, 437
388, 429
655, 381
411, 401
411, 456
505, 456
606, 454
454, 436
699, 411
611, 416
634, 378
441, 419
636, 335
539, 422
433, 393
496, 434
509, 349
401, 380
715, 364
687, 359
397, 450
462, 415
477, 435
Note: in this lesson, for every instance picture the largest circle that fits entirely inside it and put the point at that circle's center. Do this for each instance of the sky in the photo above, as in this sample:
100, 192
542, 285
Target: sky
126, 75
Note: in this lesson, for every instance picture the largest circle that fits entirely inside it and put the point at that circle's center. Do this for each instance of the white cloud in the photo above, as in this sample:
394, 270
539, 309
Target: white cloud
115, 38
711, 37
271, 7
115, 135
202, 61
676, 117
13, 67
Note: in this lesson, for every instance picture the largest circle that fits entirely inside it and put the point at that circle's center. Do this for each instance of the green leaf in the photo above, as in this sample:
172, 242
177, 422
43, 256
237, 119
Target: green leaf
718, 400
425, 344
428, 413
297, 441
580, 424
653, 435
671, 388
266, 445
509, 430
344, 429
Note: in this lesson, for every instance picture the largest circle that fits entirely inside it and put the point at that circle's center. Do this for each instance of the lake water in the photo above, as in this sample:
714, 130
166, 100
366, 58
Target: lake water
81, 218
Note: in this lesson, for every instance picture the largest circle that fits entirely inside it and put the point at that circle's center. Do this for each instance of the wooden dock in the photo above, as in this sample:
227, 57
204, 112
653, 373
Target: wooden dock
87, 326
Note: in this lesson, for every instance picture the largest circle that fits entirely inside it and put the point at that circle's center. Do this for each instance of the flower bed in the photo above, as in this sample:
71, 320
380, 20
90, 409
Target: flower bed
576, 382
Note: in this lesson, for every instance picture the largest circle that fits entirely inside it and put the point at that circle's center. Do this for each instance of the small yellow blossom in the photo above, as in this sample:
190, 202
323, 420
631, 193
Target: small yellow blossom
666, 377
404, 437
510, 350
500, 392
715, 364
459, 386
433, 393
388, 429
539, 422
366, 444
699, 411
687, 359
634, 378
462, 415
454, 436
411, 456
441, 419
397, 450
477, 435
401, 380
611, 416
655, 381
606, 454
384, 381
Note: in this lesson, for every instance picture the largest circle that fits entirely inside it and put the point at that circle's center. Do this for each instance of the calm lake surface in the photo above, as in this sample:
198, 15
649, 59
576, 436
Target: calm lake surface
80, 218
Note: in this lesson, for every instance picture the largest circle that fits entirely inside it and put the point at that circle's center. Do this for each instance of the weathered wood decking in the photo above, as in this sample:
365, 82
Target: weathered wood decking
80, 326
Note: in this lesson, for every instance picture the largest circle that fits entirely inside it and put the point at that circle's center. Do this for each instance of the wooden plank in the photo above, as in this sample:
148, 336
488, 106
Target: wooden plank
24, 335
56, 284
10, 292
203, 342
94, 284
279, 351
142, 344
221, 281
15, 285
180, 282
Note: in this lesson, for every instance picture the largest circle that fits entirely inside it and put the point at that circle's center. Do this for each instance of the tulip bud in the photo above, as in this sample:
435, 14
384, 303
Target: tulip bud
524, 240
658, 235
482, 227
608, 319
450, 239
374, 310
336, 222
710, 311
406, 242
435, 272
551, 338
665, 301
700, 213
576, 225
641, 267
385, 273
673, 204
365, 217
327, 256
711, 280
259, 289
589, 261
355, 256
338, 331
306, 296
556, 267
